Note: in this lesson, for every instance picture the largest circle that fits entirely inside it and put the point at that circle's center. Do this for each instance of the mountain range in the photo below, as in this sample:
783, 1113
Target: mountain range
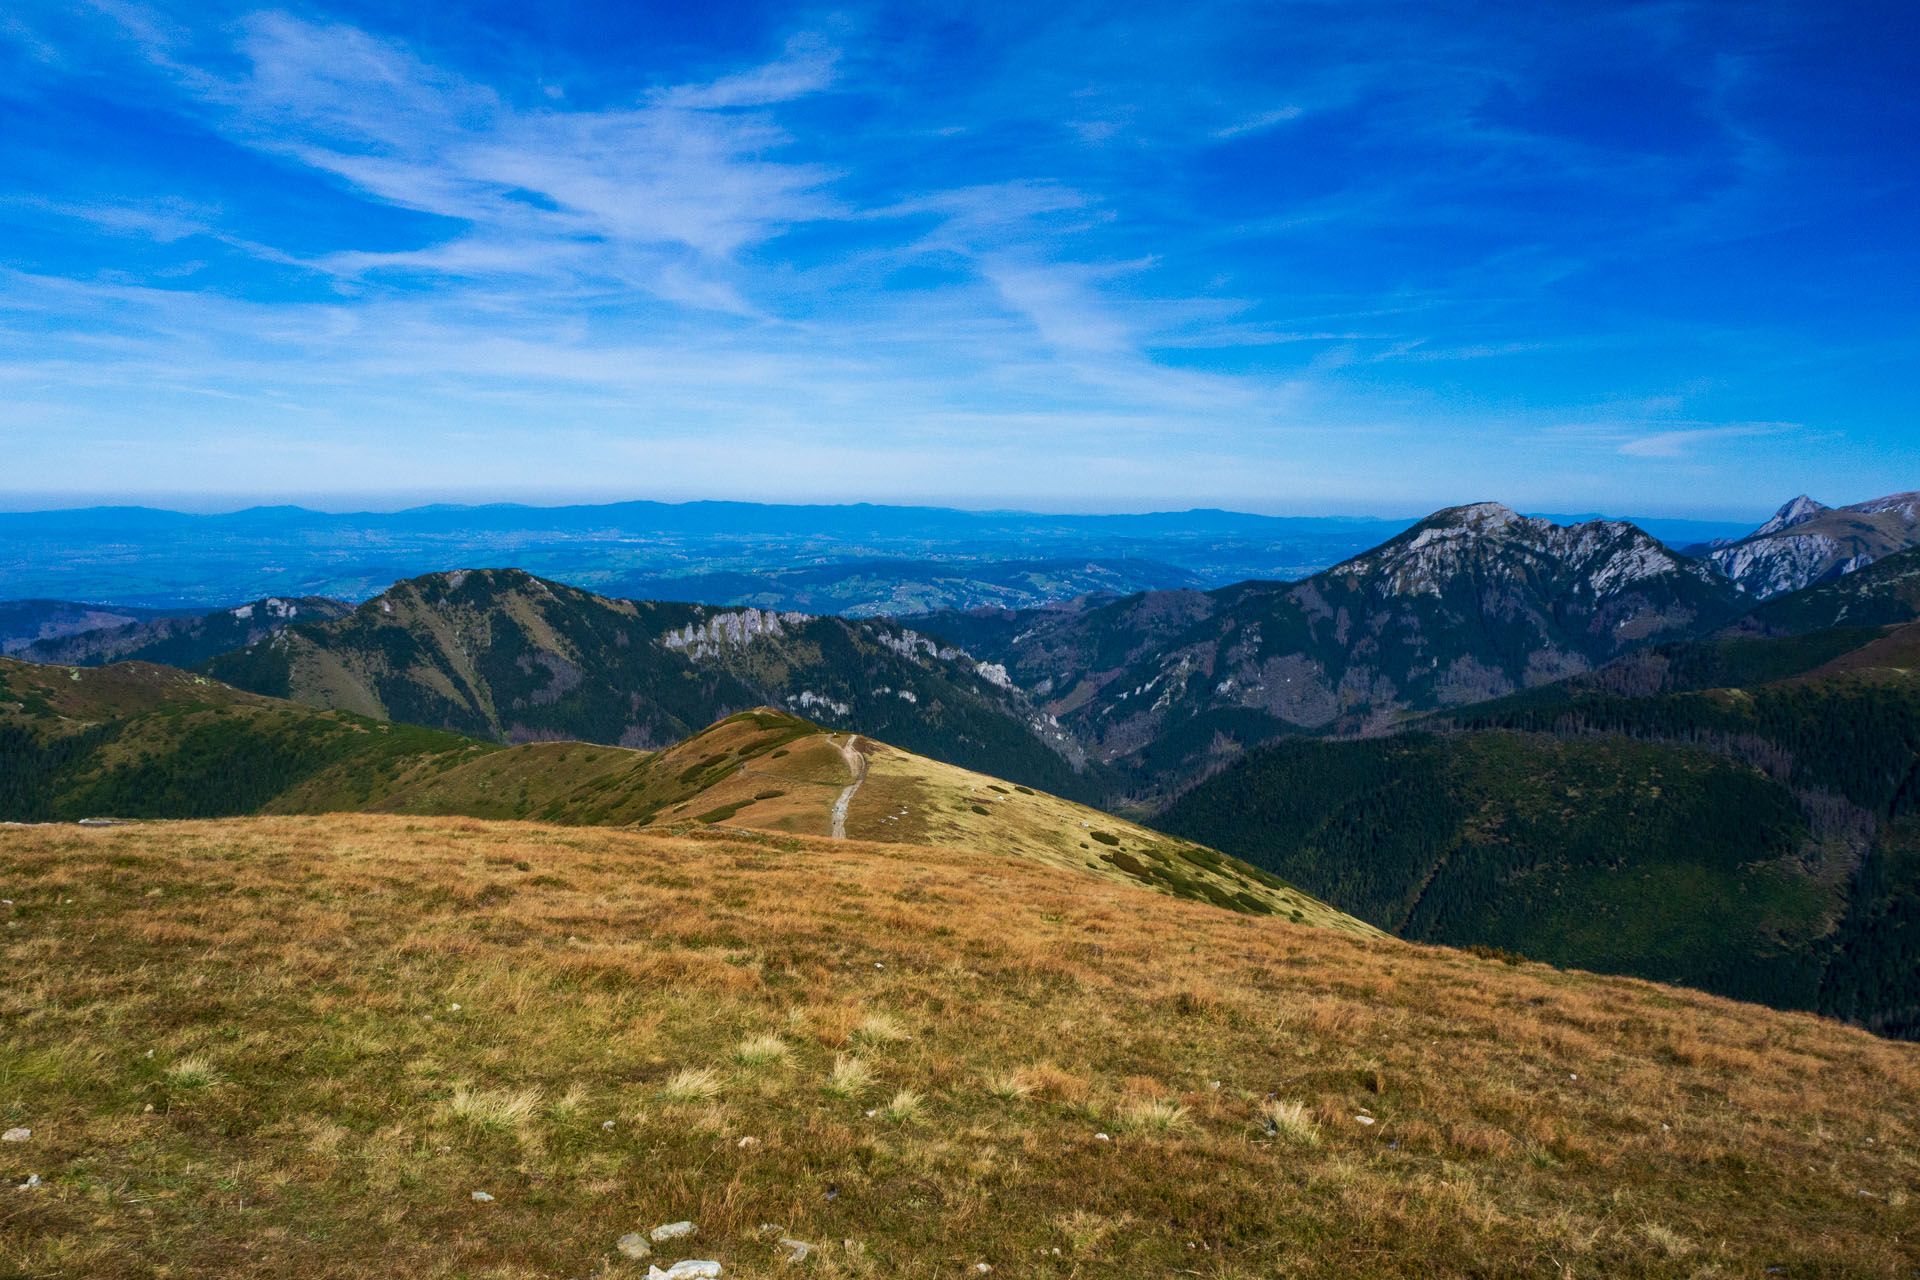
1469, 604
1568, 741
506, 656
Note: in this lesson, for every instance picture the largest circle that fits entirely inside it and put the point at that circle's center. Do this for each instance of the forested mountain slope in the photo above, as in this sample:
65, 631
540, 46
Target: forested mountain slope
1756, 840
184, 641
503, 655
139, 740
22, 622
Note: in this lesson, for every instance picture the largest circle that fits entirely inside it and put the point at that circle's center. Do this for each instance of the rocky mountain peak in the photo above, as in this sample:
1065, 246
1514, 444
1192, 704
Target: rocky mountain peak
1798, 511
1476, 516
1602, 555
1806, 542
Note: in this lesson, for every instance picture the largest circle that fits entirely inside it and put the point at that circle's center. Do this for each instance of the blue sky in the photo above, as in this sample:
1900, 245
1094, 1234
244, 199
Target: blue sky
1292, 257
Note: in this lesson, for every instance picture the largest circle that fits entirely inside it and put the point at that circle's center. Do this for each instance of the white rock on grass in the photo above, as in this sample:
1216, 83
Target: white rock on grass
671, 1231
482, 1197
797, 1250
688, 1270
16, 1135
634, 1245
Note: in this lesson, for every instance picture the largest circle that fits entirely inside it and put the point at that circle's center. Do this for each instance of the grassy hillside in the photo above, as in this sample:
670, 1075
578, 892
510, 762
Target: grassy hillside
298, 1047
139, 740
135, 740
767, 771
502, 655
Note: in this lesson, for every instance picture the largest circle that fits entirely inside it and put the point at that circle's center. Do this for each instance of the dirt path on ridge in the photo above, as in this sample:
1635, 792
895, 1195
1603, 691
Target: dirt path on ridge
857, 763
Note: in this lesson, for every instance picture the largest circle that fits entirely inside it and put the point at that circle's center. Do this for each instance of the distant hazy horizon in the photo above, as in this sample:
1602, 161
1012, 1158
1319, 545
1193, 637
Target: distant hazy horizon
391, 503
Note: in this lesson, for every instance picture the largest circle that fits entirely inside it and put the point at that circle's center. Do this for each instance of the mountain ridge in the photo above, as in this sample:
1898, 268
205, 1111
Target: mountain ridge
1807, 542
1470, 603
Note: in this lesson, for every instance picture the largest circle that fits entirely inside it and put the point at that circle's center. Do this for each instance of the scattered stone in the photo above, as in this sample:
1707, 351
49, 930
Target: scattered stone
1101, 1137
1364, 1119
634, 1245
797, 1250
982, 1267
749, 1141
147, 1110
31, 1184
606, 1124
16, 1135
482, 1197
673, 1231
688, 1270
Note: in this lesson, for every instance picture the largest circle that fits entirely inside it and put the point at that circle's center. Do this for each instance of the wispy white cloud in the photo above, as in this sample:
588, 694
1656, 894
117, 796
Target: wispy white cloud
1259, 123
1684, 442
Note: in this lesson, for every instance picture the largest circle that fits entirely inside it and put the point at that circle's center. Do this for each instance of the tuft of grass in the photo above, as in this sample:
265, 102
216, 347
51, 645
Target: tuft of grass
758, 1051
1153, 1115
1013, 1086
905, 1106
691, 1084
849, 1078
880, 1028
568, 1104
1291, 1123
192, 1072
495, 1110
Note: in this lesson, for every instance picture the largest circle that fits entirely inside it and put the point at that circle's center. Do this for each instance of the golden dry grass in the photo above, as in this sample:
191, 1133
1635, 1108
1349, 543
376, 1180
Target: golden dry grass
768, 771
1525, 1122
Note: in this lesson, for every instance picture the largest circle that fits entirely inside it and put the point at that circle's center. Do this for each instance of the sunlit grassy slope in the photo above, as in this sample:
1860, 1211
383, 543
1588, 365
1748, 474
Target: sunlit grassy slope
295, 1047
770, 771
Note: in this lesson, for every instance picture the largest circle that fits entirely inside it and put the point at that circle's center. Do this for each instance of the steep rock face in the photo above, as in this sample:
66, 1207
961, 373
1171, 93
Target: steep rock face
1472, 603
1884, 593
503, 655
185, 641
1806, 542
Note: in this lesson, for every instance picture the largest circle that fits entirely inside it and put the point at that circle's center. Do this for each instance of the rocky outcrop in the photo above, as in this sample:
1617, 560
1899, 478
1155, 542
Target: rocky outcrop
1806, 542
